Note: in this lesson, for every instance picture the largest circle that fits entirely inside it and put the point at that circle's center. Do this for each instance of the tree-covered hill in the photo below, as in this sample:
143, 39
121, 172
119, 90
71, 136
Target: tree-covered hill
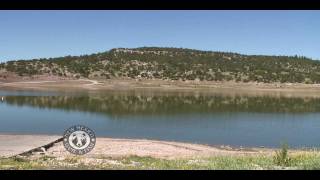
173, 64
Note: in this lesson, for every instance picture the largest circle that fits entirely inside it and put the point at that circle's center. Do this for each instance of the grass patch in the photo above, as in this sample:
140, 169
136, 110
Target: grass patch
281, 160
17, 163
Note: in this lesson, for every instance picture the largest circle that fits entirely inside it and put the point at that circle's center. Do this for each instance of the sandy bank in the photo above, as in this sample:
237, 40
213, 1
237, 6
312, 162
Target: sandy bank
163, 85
114, 147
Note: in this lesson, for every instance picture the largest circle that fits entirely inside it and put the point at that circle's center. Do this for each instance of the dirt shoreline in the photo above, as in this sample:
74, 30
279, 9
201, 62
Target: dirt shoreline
115, 153
289, 89
123, 147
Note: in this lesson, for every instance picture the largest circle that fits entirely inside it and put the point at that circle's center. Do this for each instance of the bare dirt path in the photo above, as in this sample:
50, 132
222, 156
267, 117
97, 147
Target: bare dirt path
30, 82
54, 84
92, 84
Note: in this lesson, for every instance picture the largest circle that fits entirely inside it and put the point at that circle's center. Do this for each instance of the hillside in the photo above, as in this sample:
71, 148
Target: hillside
170, 64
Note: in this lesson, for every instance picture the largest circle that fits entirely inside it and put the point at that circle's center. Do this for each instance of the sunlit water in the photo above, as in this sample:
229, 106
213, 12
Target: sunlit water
213, 119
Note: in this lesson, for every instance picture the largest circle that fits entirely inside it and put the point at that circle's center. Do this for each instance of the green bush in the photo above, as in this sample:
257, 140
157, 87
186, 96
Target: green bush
282, 158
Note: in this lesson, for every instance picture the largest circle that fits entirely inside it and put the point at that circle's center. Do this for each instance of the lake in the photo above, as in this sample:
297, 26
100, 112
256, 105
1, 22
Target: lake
205, 118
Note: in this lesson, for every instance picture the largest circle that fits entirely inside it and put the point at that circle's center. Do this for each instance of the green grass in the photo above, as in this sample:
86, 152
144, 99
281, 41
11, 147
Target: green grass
299, 161
18, 163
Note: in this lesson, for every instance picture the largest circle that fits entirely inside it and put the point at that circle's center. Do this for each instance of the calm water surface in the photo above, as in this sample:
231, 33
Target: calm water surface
214, 119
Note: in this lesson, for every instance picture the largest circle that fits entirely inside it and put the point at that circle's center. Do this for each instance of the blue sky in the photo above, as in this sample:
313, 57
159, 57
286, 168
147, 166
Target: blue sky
36, 34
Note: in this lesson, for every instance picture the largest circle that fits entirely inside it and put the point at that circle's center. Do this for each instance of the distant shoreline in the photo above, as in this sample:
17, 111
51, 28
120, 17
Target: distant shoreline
162, 85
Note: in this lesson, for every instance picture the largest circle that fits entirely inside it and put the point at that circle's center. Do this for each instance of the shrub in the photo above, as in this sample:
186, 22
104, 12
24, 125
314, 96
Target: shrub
281, 158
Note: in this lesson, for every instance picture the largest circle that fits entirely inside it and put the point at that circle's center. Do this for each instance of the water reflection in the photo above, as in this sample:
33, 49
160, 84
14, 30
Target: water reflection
172, 103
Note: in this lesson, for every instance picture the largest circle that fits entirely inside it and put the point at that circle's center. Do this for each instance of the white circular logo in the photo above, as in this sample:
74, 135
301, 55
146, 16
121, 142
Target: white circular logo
79, 140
